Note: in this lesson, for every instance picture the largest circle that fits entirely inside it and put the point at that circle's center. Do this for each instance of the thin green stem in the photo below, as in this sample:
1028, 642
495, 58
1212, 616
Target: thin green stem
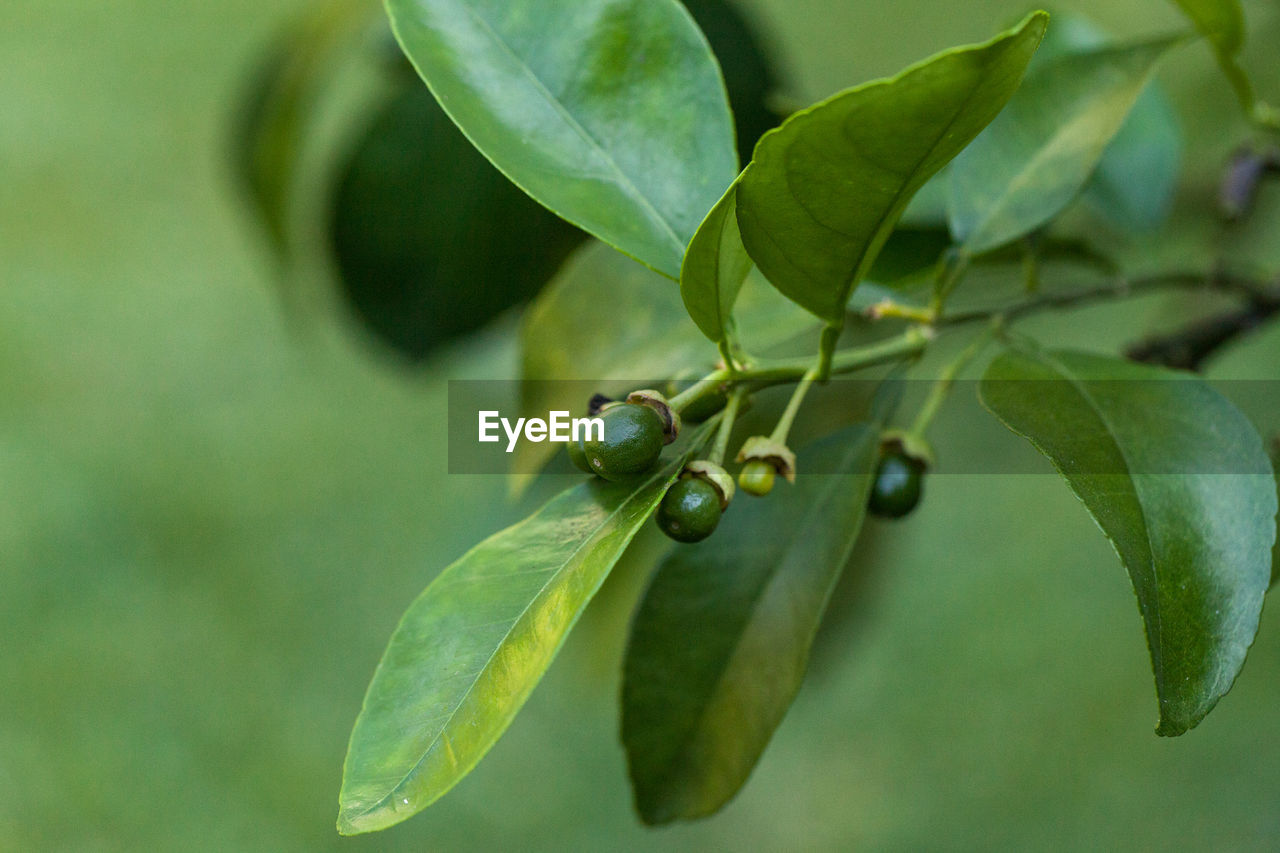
793, 405
697, 389
728, 417
951, 269
767, 372
946, 381
1119, 289
726, 355
1030, 266
826, 349
888, 309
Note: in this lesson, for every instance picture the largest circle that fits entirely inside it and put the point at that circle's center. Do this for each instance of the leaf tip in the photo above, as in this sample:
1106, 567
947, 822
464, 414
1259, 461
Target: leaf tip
345, 827
356, 821
1176, 721
651, 816
663, 808
1038, 18
357, 816
1173, 728
1036, 22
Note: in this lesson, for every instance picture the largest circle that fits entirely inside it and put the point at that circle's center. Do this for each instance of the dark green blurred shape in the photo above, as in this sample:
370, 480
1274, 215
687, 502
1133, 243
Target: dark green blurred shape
287, 89
431, 240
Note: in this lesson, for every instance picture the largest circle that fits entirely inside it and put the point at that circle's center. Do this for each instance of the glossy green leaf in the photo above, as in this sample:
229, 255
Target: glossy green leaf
1038, 154
1178, 480
612, 113
721, 641
1221, 22
1134, 183
714, 268
470, 650
826, 188
605, 323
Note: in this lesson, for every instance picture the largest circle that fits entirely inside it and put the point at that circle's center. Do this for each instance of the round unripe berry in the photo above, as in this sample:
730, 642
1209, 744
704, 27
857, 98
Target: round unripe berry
690, 510
632, 442
896, 489
756, 477
578, 457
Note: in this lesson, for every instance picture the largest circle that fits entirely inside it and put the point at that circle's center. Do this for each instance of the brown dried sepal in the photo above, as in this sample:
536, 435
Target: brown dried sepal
775, 453
896, 441
656, 401
716, 476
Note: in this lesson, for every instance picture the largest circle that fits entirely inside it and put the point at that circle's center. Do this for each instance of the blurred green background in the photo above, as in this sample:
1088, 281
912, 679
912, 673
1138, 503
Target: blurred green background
213, 509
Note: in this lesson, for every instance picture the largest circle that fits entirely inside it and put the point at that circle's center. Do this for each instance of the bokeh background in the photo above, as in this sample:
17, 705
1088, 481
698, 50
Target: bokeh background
218, 493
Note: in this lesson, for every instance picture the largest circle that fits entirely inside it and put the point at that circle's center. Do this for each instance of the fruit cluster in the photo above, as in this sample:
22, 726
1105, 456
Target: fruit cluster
636, 429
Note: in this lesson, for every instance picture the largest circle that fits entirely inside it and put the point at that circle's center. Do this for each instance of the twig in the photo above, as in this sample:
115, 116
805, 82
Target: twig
1120, 289
1191, 346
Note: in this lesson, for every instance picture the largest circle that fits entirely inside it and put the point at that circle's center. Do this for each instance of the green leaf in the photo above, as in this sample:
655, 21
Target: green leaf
605, 323
612, 113
825, 189
1036, 157
1179, 482
721, 640
1137, 177
1134, 183
1221, 22
471, 648
714, 268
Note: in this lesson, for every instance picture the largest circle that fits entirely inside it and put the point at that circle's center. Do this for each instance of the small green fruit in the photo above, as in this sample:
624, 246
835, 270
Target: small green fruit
690, 510
756, 477
578, 457
896, 489
633, 441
